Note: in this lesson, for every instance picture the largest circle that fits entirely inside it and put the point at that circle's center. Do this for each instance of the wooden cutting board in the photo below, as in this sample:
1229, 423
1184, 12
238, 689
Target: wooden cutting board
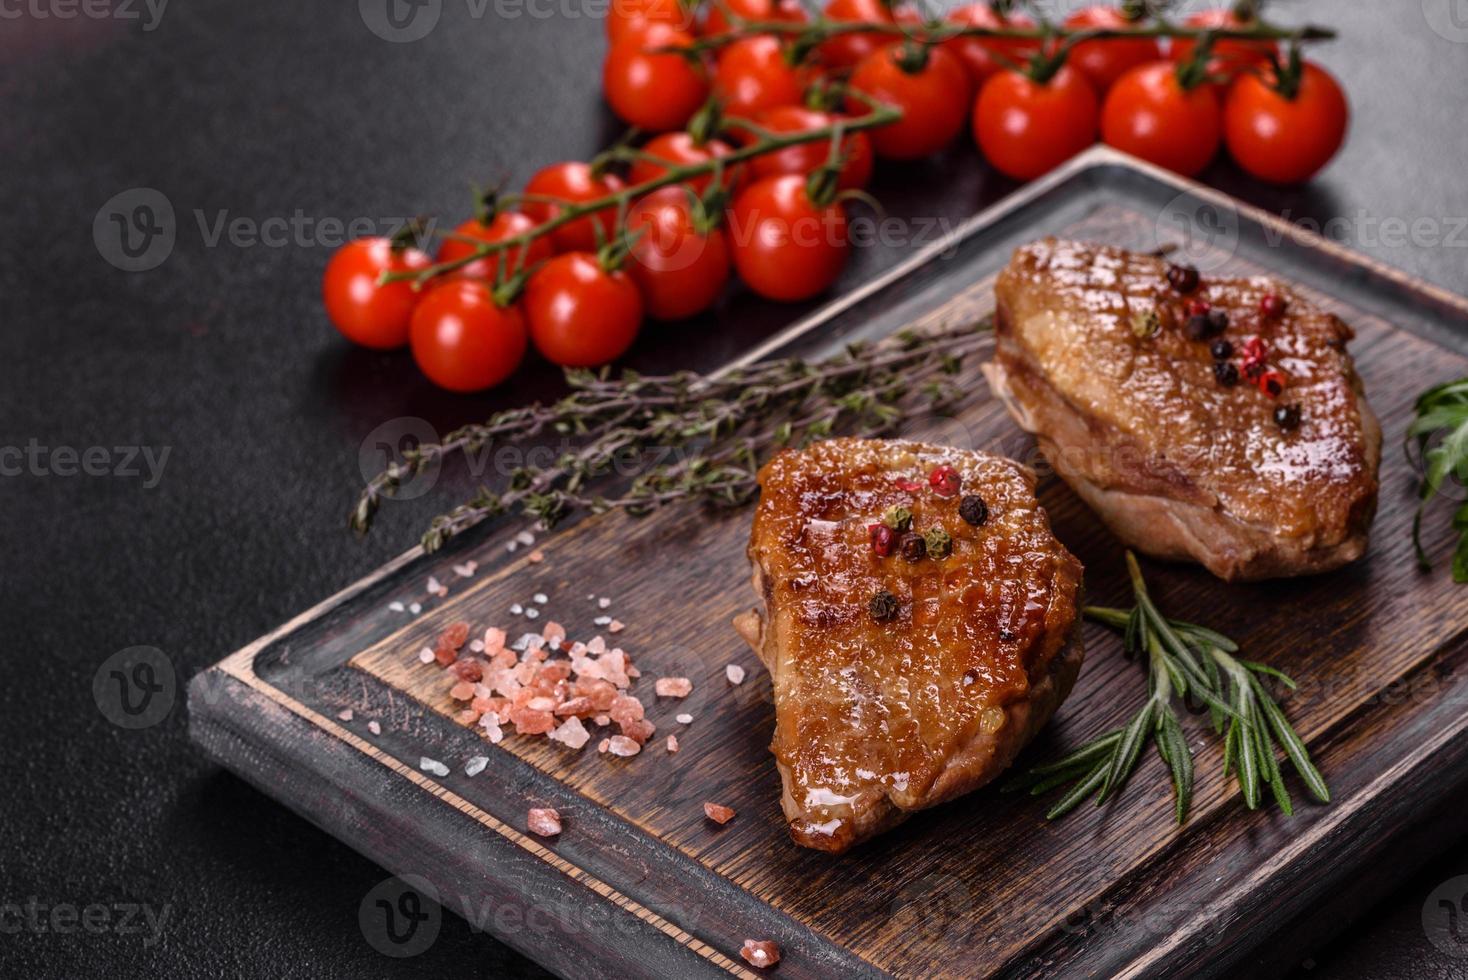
641, 884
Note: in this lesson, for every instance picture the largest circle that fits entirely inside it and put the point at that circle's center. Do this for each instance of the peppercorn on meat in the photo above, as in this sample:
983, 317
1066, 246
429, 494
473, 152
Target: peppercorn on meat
919, 624
1211, 419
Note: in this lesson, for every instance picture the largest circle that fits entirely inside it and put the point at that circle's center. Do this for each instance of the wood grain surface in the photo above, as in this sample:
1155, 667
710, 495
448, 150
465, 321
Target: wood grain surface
982, 886
986, 877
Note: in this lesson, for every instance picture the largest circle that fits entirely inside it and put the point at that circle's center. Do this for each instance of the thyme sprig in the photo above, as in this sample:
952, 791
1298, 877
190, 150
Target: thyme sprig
1438, 441
1185, 662
706, 435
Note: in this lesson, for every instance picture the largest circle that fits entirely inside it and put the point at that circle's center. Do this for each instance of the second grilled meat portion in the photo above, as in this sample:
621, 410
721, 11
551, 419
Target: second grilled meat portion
1170, 427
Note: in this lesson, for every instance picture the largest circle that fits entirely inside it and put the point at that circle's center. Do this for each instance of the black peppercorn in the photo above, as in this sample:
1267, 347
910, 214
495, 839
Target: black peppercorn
914, 548
973, 509
1183, 278
1197, 328
1226, 373
1287, 417
1217, 321
883, 606
1221, 350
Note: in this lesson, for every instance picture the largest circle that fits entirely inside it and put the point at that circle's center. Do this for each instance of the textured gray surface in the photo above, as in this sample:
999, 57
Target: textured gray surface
269, 109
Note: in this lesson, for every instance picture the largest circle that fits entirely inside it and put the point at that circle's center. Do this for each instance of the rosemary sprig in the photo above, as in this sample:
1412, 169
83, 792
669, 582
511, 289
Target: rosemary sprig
706, 434
1187, 662
1439, 435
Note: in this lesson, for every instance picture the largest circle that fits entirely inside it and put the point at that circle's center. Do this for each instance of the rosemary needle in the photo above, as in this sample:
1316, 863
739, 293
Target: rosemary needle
1184, 661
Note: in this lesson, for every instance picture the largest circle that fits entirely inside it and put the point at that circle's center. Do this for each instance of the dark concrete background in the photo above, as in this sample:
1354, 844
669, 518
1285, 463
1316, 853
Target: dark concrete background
221, 356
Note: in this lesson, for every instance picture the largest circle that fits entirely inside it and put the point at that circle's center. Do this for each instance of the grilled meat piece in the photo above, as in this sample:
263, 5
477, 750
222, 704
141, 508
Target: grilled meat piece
1162, 417
905, 680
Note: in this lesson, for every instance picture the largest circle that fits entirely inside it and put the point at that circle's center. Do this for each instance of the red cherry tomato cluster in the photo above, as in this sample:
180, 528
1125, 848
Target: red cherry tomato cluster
704, 86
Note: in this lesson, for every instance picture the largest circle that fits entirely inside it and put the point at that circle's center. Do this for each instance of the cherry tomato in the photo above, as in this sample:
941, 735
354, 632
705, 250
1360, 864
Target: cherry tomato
753, 74
934, 99
679, 267
983, 56
787, 247
680, 149
845, 50
657, 92
365, 311
580, 314
1104, 61
802, 158
785, 11
1026, 128
573, 183
626, 15
1282, 140
506, 224
1148, 114
463, 340
1230, 56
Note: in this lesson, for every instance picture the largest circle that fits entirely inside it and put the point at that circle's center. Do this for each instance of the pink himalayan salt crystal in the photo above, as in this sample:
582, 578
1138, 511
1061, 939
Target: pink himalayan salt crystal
553, 632
604, 745
673, 687
623, 746
345, 714
529, 722
374, 728
616, 626
717, 813
762, 953
626, 708
603, 720
597, 645
491, 725
735, 673
572, 734
462, 691
672, 744
546, 822
575, 706
494, 638
467, 716
536, 557
639, 730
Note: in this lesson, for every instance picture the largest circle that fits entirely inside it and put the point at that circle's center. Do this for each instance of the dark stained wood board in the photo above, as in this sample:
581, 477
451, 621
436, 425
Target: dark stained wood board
641, 884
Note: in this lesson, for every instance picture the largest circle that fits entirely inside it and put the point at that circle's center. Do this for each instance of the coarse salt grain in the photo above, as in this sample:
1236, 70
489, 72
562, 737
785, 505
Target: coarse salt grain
540, 598
717, 813
623, 746
433, 766
616, 626
435, 587
516, 609
415, 608
672, 744
525, 538
397, 606
684, 719
532, 614
476, 765
477, 646
673, 687
491, 725
572, 734
425, 655
544, 822
345, 714
374, 728
735, 673
535, 557
467, 569
604, 744
602, 621
761, 953
603, 602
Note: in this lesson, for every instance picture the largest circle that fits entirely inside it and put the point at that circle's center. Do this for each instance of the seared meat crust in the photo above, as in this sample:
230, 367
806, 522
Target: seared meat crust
877, 719
1177, 464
